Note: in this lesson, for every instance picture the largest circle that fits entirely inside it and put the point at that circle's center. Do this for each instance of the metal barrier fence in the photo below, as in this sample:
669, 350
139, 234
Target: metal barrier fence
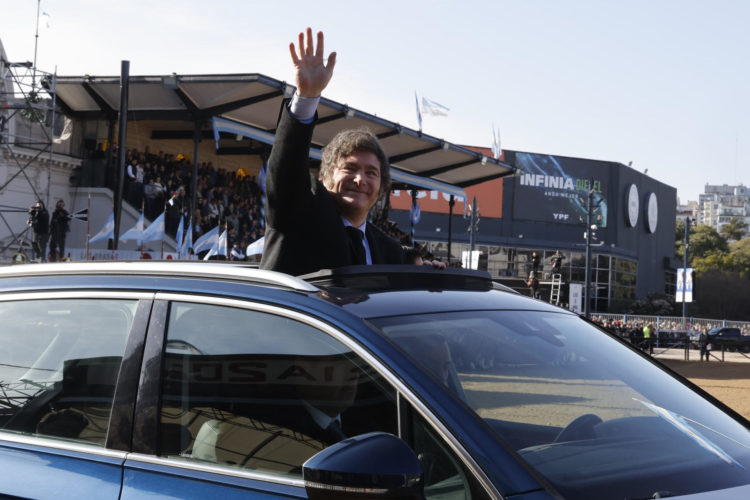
670, 332
671, 323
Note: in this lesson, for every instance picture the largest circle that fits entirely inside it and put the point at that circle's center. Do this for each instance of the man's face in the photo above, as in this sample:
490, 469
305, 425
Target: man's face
355, 184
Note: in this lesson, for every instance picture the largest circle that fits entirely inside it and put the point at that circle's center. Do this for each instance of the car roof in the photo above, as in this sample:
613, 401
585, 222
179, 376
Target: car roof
378, 291
172, 269
364, 291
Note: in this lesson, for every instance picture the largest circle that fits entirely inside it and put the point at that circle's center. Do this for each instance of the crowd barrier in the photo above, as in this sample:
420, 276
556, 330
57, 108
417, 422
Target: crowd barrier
670, 332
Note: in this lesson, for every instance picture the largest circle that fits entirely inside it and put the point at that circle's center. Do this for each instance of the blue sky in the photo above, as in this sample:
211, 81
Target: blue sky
664, 84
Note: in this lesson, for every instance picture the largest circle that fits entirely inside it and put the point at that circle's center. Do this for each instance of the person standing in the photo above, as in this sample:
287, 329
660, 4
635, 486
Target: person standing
648, 341
535, 263
557, 259
59, 227
39, 222
314, 224
705, 345
533, 284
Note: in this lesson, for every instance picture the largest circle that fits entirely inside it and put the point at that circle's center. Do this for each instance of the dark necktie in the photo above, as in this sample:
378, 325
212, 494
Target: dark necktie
356, 245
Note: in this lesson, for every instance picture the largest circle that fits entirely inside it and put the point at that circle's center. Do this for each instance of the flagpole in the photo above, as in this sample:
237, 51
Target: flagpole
114, 240
88, 228
164, 233
411, 213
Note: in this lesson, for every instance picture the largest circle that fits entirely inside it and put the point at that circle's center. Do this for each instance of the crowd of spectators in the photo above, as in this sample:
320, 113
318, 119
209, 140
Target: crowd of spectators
161, 182
669, 332
158, 182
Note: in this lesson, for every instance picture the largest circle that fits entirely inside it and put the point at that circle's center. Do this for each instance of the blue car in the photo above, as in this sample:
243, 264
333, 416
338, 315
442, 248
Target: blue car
166, 380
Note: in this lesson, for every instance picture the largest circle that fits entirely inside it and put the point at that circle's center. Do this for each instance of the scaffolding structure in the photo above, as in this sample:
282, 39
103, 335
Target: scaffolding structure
27, 120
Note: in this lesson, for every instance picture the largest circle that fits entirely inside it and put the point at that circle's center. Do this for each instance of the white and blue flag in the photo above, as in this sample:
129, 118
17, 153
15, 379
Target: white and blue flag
219, 248
207, 241
155, 232
135, 232
106, 232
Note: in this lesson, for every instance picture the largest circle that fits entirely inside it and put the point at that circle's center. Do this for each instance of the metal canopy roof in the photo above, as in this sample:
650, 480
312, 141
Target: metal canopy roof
254, 100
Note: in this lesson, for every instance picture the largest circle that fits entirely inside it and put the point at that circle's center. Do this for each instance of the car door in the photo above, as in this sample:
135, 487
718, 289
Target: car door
247, 392
63, 432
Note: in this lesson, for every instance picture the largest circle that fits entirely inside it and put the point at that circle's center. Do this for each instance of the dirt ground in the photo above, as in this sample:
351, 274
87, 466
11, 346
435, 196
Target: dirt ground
728, 382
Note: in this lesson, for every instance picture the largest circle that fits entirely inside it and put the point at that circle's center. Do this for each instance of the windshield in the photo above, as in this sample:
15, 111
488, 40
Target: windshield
594, 418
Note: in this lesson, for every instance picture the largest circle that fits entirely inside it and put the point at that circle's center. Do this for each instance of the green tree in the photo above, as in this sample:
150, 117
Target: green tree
655, 304
705, 240
679, 239
738, 259
734, 230
722, 282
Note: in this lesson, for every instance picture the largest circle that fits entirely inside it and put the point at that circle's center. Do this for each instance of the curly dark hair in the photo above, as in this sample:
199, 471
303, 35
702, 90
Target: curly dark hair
348, 142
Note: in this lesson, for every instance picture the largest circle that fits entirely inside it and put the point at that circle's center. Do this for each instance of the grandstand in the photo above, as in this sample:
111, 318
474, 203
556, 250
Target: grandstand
204, 137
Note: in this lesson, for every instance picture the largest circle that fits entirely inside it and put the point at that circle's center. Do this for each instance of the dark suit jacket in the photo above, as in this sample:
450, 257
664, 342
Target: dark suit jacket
304, 231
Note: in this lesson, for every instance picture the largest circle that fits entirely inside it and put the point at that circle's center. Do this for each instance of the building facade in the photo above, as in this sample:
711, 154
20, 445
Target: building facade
720, 204
544, 208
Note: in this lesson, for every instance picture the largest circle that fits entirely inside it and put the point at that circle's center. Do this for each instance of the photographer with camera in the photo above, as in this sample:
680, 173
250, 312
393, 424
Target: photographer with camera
39, 222
59, 227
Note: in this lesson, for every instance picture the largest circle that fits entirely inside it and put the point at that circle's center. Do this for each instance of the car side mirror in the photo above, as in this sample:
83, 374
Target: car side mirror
373, 465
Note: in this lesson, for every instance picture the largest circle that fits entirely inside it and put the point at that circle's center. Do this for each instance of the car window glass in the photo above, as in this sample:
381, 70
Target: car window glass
445, 477
59, 361
262, 392
577, 405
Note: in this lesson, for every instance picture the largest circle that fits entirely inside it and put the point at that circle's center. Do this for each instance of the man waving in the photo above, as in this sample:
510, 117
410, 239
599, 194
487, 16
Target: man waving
321, 223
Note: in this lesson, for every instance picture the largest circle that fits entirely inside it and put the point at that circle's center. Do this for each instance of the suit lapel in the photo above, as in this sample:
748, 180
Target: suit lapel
372, 241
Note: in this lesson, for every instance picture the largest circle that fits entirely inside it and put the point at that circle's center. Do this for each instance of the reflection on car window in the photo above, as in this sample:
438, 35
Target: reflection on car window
581, 408
445, 477
263, 392
59, 361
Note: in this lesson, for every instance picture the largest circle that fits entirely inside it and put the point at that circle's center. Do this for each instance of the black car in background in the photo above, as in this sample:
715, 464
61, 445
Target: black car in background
728, 339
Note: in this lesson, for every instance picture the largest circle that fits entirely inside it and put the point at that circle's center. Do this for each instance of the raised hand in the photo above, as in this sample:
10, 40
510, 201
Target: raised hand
311, 73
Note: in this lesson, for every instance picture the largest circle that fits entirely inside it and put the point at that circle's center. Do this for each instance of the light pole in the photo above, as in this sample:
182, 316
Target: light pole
587, 285
684, 271
474, 227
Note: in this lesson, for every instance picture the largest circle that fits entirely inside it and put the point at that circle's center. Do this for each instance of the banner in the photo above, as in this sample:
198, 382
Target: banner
684, 288
575, 298
554, 189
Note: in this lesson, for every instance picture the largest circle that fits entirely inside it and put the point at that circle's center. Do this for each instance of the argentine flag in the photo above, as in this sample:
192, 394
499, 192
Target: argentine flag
106, 232
135, 232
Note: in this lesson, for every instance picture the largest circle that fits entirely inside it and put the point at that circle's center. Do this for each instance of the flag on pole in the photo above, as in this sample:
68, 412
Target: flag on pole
81, 215
219, 248
430, 107
419, 112
178, 236
187, 244
106, 232
256, 247
262, 177
207, 241
135, 232
415, 213
262, 184
496, 149
155, 232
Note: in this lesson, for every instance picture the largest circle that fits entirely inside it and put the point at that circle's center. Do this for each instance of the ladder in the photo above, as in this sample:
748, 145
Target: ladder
554, 294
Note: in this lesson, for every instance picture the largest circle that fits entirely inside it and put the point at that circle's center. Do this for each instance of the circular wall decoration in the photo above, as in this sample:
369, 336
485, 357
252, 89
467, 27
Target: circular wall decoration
633, 206
652, 212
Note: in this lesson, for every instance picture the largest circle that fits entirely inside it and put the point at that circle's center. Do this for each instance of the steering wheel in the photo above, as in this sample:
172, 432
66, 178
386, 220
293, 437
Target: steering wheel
580, 428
